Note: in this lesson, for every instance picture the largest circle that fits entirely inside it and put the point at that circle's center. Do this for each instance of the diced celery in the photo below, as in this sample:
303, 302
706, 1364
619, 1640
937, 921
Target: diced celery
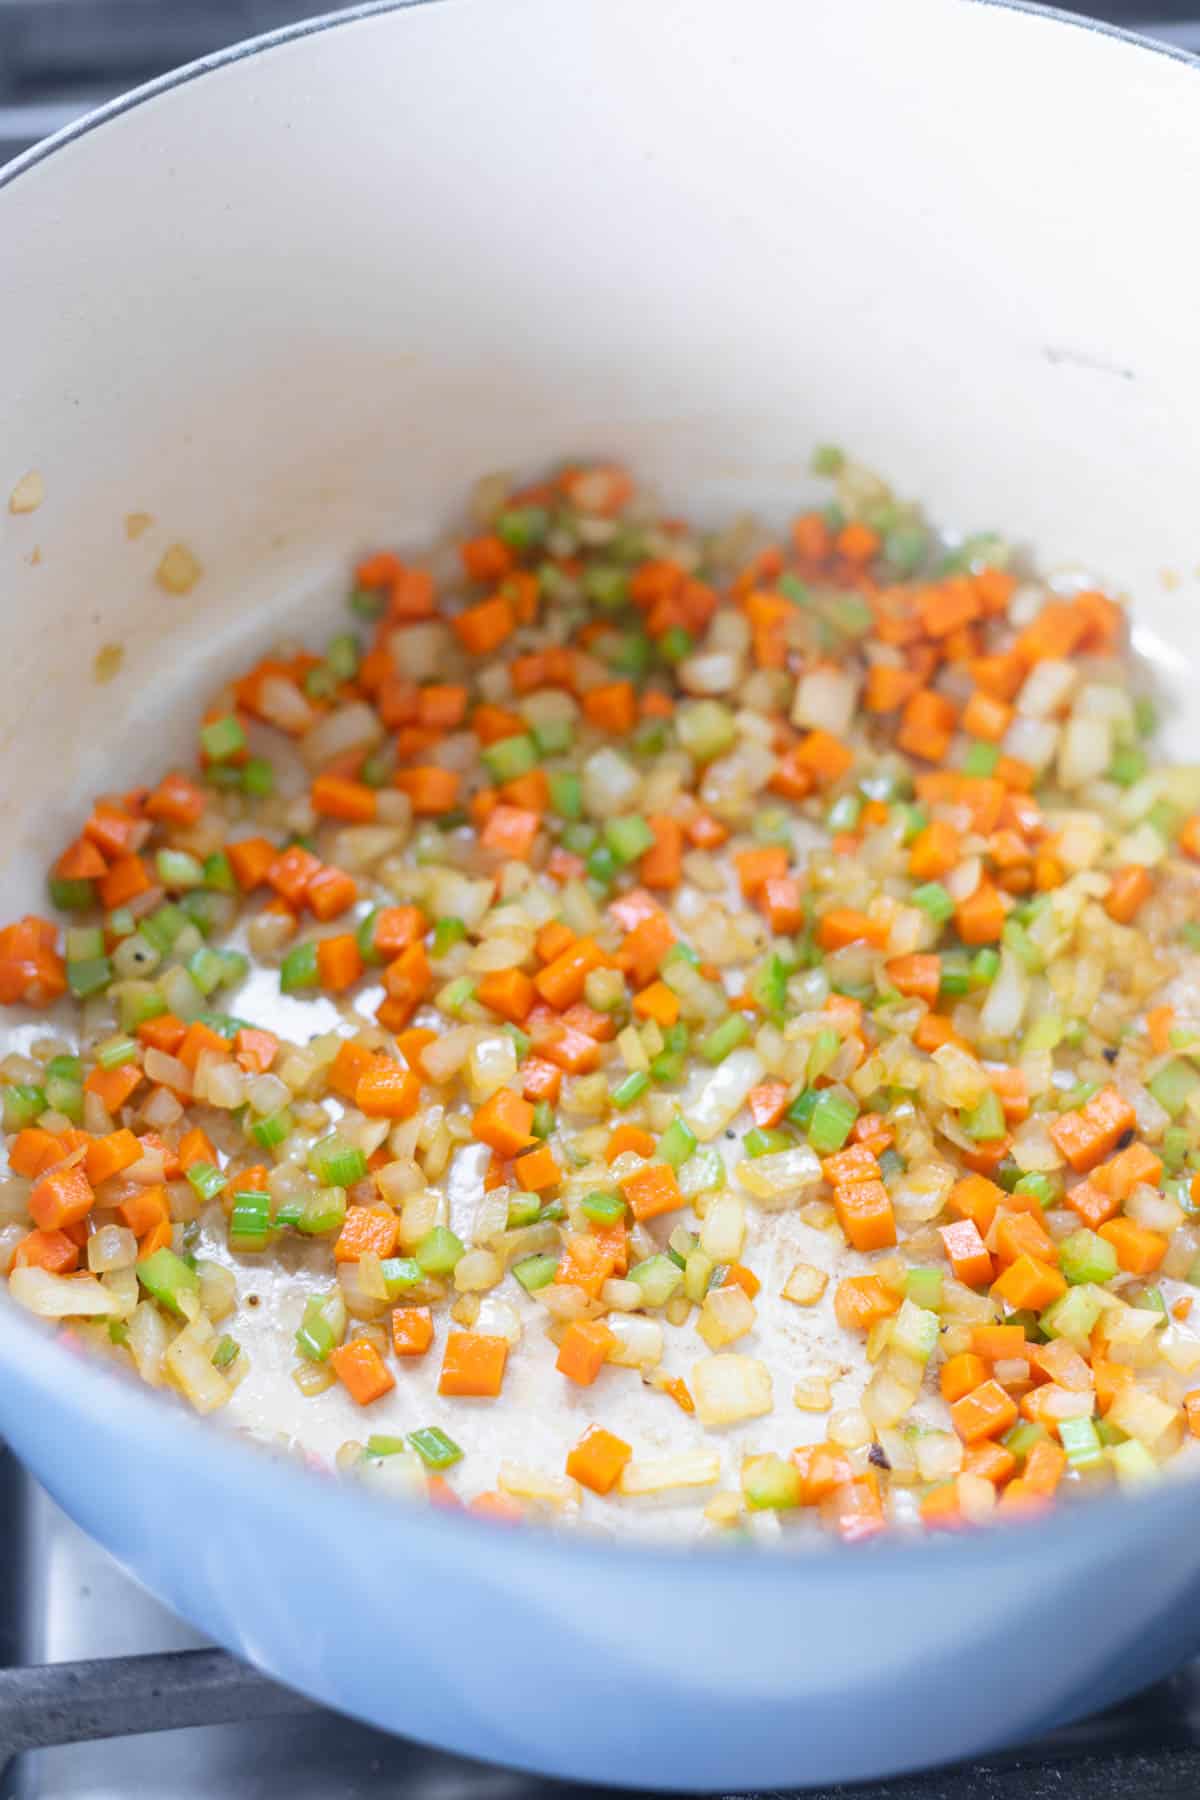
439, 1251
955, 978
554, 737
509, 757
985, 965
933, 899
705, 728
298, 970
1132, 1463
272, 1129
178, 870
1128, 765
324, 1211
981, 758
250, 1222
88, 977
1022, 1437
822, 1053
322, 1326
71, 896
400, 1273
924, 1287
222, 738
677, 1143
206, 1180
218, 873
521, 527
115, 1052
630, 1089
1044, 1190
446, 933
605, 1207
163, 927
1081, 1443
534, 1272
985, 1120
1074, 1315
258, 777
335, 1163
1173, 1085
628, 837
658, 1277
725, 1037
760, 1142
770, 1482
801, 1110
1084, 1256
914, 1331
22, 1104
833, 1117
566, 794
166, 1278
436, 1450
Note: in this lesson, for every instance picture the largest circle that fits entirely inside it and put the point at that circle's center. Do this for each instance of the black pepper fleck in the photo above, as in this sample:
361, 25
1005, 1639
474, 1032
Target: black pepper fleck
1125, 1139
1109, 1053
878, 1455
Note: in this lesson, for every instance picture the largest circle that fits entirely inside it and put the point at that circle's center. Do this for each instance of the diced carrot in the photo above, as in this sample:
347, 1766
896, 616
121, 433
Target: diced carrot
856, 1163
560, 983
888, 688
251, 859
540, 1079
860, 1300
573, 1051
588, 1259
935, 850
781, 900
757, 866
933, 1030
196, 1040
612, 707
857, 542
530, 791
961, 1374
177, 799
629, 1138
335, 797
1054, 634
1044, 1467
704, 831
348, 1067
145, 1209
843, 926
642, 953
396, 927
255, 1049
652, 1191
483, 628
291, 873
1127, 1170
1139, 1250
986, 717
473, 1365
976, 1198
1020, 1234
511, 830
927, 725
582, 1352
195, 1146
768, 1102
114, 831
738, 1275
412, 1330
62, 1196
657, 1002
126, 879
109, 1155
596, 1461
873, 1132
553, 938
339, 962
990, 1460
504, 1123
985, 1412
998, 676
1086, 1137
919, 976
408, 978
367, 1229
33, 1151
50, 1250
386, 1090
431, 790
330, 892
80, 861
486, 558
941, 1510
864, 1211
361, 1370
980, 918
1131, 887
537, 1170
112, 1087
824, 756
508, 992
1061, 1363
1028, 1284
966, 1253
823, 1469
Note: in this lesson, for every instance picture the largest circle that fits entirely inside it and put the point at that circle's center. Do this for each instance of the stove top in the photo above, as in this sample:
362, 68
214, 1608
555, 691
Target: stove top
103, 1694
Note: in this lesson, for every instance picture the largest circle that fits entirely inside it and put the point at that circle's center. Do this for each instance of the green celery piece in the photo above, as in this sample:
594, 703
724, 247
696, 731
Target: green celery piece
725, 1037
603, 1208
832, 1119
222, 738
509, 757
1173, 1085
534, 1272
630, 1089
933, 899
985, 1120
166, 1277
924, 1287
298, 971
439, 1251
400, 1273
335, 1163
628, 838
658, 1277
677, 1143
324, 1212
71, 896
436, 1450
250, 1221
760, 1142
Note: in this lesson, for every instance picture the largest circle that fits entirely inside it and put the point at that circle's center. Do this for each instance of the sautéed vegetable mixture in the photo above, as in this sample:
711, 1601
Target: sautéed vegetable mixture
753, 978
